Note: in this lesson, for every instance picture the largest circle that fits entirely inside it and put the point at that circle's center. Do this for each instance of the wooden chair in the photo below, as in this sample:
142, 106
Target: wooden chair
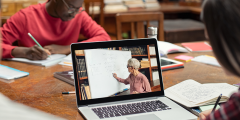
92, 3
139, 19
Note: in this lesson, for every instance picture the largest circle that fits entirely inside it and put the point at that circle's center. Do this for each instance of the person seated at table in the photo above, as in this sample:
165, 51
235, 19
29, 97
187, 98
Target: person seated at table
138, 81
222, 21
55, 24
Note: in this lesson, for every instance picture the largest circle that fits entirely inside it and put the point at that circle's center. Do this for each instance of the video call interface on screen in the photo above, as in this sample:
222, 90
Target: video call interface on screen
116, 71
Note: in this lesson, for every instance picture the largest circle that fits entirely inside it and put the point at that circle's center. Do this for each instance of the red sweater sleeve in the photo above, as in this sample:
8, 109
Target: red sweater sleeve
11, 31
92, 30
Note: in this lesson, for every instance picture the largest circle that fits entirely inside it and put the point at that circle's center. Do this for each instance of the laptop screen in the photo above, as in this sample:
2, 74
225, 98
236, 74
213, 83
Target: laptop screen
115, 71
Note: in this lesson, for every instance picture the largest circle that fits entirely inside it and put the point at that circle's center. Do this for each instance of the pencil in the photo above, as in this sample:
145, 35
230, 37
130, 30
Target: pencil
38, 43
35, 40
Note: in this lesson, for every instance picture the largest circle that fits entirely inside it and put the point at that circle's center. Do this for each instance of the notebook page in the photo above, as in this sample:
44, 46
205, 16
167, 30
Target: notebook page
224, 88
9, 73
194, 91
178, 99
67, 61
41, 62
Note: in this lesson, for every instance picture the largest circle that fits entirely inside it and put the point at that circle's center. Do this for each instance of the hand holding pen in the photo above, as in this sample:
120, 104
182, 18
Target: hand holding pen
32, 53
37, 52
206, 113
115, 75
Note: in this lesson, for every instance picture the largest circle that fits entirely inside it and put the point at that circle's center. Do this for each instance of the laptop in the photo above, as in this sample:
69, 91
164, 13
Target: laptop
100, 96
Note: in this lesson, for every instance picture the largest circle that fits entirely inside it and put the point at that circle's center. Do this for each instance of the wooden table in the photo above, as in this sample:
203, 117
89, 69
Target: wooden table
42, 91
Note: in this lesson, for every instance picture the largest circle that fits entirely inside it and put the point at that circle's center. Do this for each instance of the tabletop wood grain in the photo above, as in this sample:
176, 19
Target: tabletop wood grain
42, 91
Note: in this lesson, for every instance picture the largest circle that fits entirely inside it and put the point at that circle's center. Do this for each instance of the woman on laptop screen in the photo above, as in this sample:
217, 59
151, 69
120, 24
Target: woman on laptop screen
138, 82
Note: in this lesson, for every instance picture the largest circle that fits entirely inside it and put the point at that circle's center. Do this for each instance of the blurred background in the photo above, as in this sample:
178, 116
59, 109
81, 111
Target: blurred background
181, 17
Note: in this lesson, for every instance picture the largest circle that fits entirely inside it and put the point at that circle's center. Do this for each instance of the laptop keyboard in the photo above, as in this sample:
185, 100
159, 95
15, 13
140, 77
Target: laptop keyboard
128, 109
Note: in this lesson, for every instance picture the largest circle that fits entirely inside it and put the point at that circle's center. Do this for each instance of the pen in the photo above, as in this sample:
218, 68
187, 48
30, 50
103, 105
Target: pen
35, 40
216, 103
71, 92
37, 43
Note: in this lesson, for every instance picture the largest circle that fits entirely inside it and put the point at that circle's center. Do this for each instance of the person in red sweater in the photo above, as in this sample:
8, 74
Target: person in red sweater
54, 24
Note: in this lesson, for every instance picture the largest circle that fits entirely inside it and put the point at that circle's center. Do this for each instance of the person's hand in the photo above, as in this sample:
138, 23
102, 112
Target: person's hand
58, 49
135, 92
115, 75
204, 114
32, 53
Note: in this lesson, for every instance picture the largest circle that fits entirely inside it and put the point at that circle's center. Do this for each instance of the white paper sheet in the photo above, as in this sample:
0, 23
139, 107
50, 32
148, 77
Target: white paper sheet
10, 110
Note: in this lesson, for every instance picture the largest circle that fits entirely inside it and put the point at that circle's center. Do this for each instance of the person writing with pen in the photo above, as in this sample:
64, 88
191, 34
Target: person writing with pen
138, 82
54, 24
221, 19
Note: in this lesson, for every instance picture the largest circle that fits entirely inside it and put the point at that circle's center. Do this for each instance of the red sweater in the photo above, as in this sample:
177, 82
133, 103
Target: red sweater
47, 30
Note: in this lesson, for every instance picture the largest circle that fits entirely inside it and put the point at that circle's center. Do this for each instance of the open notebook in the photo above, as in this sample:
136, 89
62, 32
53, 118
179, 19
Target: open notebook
192, 94
51, 60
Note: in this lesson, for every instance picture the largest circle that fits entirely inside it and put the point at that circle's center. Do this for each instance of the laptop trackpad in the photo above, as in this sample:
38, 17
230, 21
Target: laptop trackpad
144, 117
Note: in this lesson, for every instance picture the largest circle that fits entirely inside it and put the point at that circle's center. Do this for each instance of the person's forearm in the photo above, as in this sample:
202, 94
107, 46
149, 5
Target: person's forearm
67, 49
123, 81
58, 49
19, 52
120, 80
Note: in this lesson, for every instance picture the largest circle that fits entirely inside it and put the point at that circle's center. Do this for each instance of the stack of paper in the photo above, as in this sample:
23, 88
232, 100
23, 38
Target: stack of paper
145, 64
67, 60
51, 60
152, 50
153, 61
113, 1
207, 60
134, 4
155, 75
115, 8
152, 4
166, 47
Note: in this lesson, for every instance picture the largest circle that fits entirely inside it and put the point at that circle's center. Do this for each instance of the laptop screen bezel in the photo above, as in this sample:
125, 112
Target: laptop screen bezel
108, 44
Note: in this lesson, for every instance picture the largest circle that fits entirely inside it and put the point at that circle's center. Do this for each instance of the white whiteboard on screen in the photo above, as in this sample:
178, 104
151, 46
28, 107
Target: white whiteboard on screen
101, 64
